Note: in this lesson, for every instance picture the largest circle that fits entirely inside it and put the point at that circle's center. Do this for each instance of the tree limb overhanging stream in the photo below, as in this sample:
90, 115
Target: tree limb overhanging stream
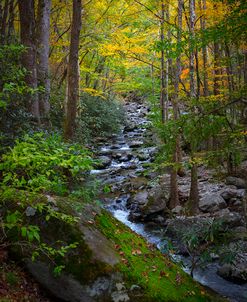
123, 160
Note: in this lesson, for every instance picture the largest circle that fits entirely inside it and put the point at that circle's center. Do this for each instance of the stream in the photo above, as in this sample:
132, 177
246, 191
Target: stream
123, 159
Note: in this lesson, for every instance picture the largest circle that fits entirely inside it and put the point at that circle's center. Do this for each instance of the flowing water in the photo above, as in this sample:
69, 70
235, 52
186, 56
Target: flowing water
124, 157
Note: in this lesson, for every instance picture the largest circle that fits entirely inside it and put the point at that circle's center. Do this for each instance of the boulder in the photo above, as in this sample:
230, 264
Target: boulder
178, 210
211, 202
135, 144
130, 127
141, 198
138, 182
237, 271
228, 194
156, 201
143, 156
105, 161
105, 261
238, 182
232, 219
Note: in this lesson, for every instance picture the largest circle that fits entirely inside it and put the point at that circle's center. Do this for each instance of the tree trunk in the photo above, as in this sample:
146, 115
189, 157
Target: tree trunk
11, 28
229, 70
192, 51
204, 50
245, 67
168, 62
27, 24
43, 47
216, 68
174, 198
162, 63
194, 192
73, 72
4, 22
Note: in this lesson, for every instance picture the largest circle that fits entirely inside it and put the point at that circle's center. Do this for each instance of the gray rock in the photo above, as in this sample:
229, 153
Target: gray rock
211, 203
228, 194
30, 211
105, 161
65, 287
238, 182
143, 156
138, 182
233, 219
135, 287
178, 210
241, 193
130, 127
156, 202
159, 219
141, 198
135, 144
237, 271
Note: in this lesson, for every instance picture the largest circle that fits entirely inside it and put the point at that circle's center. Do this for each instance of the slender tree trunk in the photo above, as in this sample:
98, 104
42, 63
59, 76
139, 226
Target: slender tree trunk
216, 68
192, 49
162, 63
4, 22
198, 80
73, 72
174, 198
11, 20
43, 36
168, 62
99, 69
27, 22
245, 67
204, 51
229, 70
194, 194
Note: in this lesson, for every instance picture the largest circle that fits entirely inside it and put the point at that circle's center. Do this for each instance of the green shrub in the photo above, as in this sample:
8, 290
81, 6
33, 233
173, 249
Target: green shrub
99, 117
44, 163
14, 116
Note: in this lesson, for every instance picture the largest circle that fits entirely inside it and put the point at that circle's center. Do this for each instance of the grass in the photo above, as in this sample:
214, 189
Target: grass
144, 265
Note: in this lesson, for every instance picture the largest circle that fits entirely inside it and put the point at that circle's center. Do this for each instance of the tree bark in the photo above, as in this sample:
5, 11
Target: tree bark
43, 47
192, 51
174, 198
194, 192
11, 28
4, 22
216, 68
204, 51
73, 72
27, 24
162, 65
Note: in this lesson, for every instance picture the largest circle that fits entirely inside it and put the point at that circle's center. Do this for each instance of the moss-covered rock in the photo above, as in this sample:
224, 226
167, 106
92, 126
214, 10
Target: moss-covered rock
109, 262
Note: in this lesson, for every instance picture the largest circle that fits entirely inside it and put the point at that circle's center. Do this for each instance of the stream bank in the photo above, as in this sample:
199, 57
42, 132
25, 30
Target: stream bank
139, 199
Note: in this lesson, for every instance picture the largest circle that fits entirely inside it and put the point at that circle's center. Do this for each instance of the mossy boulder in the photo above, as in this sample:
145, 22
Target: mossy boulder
109, 263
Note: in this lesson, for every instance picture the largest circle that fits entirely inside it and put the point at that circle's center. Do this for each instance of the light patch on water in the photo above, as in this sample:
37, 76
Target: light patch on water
139, 228
97, 172
125, 148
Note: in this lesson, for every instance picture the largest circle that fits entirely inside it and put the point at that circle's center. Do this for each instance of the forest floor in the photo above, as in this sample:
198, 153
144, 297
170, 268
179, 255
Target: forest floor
16, 285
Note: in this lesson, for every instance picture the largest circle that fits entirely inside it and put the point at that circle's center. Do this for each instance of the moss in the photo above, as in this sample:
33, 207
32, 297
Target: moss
55, 232
142, 264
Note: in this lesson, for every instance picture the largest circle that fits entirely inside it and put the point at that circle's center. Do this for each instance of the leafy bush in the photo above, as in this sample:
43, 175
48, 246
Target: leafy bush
14, 117
44, 163
98, 117
25, 220
202, 239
